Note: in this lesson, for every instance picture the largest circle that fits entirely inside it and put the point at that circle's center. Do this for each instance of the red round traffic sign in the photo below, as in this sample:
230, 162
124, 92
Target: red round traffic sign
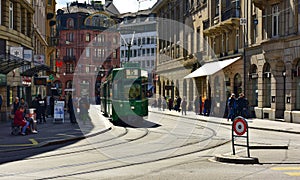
239, 126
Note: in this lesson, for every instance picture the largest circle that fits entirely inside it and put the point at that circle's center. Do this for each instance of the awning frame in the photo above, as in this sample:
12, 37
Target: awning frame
211, 68
10, 62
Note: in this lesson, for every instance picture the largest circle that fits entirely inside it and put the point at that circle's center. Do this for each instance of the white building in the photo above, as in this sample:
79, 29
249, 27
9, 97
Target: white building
138, 34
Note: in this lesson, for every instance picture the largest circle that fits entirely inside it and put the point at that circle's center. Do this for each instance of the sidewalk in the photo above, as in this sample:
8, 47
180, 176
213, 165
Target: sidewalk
254, 123
54, 133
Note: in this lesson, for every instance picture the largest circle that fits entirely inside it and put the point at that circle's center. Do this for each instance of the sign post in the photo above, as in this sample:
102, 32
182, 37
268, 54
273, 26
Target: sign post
239, 128
59, 113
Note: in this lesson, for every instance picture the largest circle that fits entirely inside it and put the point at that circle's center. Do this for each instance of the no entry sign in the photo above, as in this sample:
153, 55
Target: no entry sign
240, 126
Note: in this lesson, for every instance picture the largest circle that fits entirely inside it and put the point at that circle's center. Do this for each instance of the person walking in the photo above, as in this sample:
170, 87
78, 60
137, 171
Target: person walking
196, 105
71, 110
207, 107
1, 101
178, 103
242, 106
231, 104
164, 103
159, 103
170, 103
183, 106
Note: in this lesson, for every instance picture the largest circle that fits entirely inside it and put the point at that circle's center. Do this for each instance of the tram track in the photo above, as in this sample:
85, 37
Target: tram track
125, 137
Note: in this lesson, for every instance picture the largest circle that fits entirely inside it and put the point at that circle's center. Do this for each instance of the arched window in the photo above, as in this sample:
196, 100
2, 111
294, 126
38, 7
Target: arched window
70, 23
69, 84
58, 85
237, 88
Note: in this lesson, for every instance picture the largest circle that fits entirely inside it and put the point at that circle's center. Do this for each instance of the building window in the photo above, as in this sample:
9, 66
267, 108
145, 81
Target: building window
50, 2
69, 51
275, 20
11, 15
88, 37
217, 7
237, 40
70, 37
87, 52
70, 23
70, 68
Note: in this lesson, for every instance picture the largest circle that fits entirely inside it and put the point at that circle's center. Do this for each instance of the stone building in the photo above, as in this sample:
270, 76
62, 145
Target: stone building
273, 59
16, 28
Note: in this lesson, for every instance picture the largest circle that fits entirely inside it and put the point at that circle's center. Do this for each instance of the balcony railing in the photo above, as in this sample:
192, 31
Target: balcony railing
69, 58
231, 13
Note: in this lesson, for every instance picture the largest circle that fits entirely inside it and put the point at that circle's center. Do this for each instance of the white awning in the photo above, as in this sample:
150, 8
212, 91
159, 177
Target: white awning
211, 68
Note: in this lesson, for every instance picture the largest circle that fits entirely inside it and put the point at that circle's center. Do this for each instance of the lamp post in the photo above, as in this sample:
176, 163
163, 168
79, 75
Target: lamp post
128, 44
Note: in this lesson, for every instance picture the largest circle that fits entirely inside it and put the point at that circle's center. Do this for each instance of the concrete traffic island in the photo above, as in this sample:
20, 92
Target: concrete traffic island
236, 159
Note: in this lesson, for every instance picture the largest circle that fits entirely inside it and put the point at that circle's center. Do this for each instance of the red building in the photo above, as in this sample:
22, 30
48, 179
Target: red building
88, 46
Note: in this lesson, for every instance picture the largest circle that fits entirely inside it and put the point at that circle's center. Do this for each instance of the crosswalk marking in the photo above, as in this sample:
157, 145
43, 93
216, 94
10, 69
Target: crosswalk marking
293, 173
286, 169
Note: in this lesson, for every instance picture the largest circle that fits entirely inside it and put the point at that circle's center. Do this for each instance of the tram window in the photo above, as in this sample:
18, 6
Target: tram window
135, 92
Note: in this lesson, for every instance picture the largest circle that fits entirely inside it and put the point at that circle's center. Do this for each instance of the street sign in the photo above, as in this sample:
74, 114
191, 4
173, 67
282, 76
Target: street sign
243, 21
51, 77
239, 126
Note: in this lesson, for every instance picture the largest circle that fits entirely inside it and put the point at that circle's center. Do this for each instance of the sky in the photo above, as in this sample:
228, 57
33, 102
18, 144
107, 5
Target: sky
122, 5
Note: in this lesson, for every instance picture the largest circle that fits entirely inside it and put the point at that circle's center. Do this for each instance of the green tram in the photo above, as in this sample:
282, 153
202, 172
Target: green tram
123, 94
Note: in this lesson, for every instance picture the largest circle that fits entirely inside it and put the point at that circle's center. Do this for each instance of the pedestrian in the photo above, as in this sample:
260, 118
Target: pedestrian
71, 110
159, 103
183, 106
164, 103
19, 120
200, 105
196, 105
52, 105
231, 104
170, 103
84, 107
178, 103
24, 104
1, 100
15, 105
41, 109
207, 107
242, 106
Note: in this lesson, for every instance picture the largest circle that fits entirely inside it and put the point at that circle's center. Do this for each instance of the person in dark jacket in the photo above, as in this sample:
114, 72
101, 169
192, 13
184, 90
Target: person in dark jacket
242, 106
71, 110
231, 104
41, 109
207, 107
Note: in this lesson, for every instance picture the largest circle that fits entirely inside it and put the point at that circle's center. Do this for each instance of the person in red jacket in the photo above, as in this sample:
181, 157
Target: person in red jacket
19, 120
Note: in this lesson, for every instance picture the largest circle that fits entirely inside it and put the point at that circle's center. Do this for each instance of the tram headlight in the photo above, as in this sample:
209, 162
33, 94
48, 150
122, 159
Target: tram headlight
121, 105
132, 107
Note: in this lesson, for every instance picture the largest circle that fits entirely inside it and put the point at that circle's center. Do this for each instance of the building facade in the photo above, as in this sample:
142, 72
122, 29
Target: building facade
273, 59
251, 47
88, 44
16, 28
138, 36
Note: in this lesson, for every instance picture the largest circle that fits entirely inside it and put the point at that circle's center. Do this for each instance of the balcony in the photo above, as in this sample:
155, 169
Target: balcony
69, 58
261, 4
